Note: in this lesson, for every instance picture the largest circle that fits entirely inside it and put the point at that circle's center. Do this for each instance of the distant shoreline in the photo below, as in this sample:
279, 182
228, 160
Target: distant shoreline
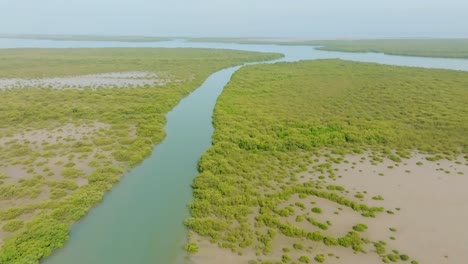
416, 47
85, 38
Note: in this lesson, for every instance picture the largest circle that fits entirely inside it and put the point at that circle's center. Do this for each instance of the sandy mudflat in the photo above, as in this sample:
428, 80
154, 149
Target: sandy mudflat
54, 135
434, 205
59, 143
113, 79
431, 218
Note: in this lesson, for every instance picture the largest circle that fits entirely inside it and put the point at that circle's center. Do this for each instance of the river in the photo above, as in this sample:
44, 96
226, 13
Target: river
141, 219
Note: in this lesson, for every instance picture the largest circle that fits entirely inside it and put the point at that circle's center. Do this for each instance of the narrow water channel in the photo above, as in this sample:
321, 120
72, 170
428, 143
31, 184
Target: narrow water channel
141, 219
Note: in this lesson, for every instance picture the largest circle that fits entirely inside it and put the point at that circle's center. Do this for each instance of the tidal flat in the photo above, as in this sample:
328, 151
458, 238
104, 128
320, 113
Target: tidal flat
334, 161
62, 149
90, 81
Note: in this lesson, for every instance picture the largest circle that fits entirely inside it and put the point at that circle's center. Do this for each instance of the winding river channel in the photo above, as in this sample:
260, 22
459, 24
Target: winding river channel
141, 219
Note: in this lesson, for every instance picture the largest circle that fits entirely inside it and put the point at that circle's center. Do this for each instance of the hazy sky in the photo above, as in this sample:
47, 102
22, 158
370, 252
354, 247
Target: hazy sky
265, 18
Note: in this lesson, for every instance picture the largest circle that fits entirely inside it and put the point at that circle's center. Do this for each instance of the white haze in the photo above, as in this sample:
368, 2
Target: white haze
262, 18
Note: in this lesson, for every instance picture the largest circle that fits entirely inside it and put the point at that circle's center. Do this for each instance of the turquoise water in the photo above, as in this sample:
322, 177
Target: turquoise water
141, 219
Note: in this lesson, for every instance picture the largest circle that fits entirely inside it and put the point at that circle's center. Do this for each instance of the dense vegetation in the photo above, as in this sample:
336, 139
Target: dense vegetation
446, 48
346, 105
180, 63
61, 150
273, 122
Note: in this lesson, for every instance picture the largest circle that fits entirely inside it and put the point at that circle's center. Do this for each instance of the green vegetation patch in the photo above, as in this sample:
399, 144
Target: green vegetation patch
12, 225
348, 105
131, 119
360, 227
275, 121
448, 48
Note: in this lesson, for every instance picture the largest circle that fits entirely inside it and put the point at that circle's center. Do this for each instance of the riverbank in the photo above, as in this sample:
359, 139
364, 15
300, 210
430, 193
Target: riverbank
63, 149
278, 182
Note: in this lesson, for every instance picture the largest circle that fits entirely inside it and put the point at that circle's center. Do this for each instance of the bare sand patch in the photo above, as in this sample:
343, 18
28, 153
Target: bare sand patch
105, 80
431, 222
55, 135
38, 165
55, 143
425, 213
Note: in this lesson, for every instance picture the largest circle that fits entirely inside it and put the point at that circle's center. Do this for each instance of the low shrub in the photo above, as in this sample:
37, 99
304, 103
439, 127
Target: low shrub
12, 225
